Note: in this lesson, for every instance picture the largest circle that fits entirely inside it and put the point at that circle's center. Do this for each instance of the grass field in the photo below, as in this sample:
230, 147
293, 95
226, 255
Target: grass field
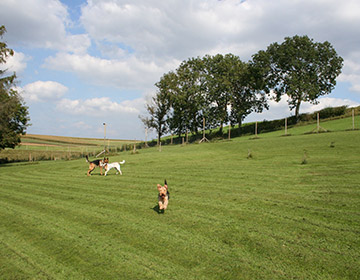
46, 147
290, 210
33, 141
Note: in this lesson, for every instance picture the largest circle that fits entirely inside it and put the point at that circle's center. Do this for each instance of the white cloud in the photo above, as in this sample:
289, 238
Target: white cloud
325, 102
351, 71
41, 91
16, 63
175, 29
132, 73
41, 24
99, 107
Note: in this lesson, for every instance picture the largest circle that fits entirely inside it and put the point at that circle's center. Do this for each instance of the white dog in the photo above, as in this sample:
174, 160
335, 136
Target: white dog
115, 165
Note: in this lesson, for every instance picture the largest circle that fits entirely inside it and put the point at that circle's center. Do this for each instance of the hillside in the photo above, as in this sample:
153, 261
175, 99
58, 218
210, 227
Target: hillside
44, 147
267, 208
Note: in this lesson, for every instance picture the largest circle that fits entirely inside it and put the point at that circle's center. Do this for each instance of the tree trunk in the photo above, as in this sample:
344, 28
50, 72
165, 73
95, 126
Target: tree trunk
159, 135
240, 124
297, 109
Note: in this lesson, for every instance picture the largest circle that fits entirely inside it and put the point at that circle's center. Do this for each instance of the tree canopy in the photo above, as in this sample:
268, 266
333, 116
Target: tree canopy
302, 69
216, 88
14, 114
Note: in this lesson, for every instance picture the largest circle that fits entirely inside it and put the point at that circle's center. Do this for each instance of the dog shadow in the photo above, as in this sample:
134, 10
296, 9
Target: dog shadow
156, 208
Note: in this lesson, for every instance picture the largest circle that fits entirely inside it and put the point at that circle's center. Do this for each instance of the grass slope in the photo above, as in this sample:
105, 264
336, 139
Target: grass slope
229, 216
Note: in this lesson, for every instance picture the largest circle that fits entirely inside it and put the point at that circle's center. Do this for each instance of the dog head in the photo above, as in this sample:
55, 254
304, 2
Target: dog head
162, 190
104, 162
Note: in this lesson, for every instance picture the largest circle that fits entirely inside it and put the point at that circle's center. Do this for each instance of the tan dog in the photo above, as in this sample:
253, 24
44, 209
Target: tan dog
99, 162
163, 196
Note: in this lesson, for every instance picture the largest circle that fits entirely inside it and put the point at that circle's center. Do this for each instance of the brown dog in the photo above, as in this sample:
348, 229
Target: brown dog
163, 196
99, 162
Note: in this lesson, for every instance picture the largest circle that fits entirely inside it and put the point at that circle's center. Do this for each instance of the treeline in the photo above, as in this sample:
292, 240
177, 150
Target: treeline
222, 89
219, 89
264, 126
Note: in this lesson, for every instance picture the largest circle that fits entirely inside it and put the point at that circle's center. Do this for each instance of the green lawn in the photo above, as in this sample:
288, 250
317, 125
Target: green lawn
229, 216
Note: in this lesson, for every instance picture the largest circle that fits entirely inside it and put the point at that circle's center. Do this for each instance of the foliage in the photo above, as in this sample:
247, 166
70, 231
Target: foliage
188, 98
223, 89
14, 114
218, 88
300, 68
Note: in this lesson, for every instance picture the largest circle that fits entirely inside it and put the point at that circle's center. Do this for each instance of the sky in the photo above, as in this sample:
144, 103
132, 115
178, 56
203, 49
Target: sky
81, 63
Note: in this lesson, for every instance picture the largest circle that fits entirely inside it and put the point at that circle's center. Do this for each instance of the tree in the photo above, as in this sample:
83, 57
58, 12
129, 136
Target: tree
159, 106
247, 92
300, 68
188, 99
14, 114
219, 71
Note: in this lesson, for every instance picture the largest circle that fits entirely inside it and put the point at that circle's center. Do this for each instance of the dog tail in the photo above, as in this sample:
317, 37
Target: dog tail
122, 162
87, 158
167, 191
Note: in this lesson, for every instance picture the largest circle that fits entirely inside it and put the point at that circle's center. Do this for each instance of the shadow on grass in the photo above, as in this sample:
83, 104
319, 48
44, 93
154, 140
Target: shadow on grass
157, 209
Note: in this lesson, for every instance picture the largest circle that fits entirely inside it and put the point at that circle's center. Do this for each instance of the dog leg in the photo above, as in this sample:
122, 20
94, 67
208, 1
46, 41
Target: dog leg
166, 201
160, 204
89, 171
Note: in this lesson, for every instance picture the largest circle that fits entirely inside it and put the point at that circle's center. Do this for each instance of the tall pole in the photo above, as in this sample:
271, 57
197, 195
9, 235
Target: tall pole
204, 138
104, 136
203, 127
318, 123
146, 133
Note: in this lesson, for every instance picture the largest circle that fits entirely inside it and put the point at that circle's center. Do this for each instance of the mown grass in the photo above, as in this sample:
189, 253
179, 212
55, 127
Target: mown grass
229, 216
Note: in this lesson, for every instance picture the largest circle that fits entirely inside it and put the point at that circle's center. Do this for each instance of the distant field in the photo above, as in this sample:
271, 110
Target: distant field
44, 147
268, 208
31, 140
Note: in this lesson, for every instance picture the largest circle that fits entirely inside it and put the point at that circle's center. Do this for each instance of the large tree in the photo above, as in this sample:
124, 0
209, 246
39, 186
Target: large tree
247, 92
302, 69
219, 71
14, 114
188, 97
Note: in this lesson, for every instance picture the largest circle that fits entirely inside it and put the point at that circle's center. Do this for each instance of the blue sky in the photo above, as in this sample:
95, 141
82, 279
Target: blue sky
82, 63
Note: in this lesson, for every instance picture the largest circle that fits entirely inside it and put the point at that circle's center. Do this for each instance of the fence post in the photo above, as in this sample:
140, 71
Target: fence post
256, 127
353, 118
285, 126
318, 123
